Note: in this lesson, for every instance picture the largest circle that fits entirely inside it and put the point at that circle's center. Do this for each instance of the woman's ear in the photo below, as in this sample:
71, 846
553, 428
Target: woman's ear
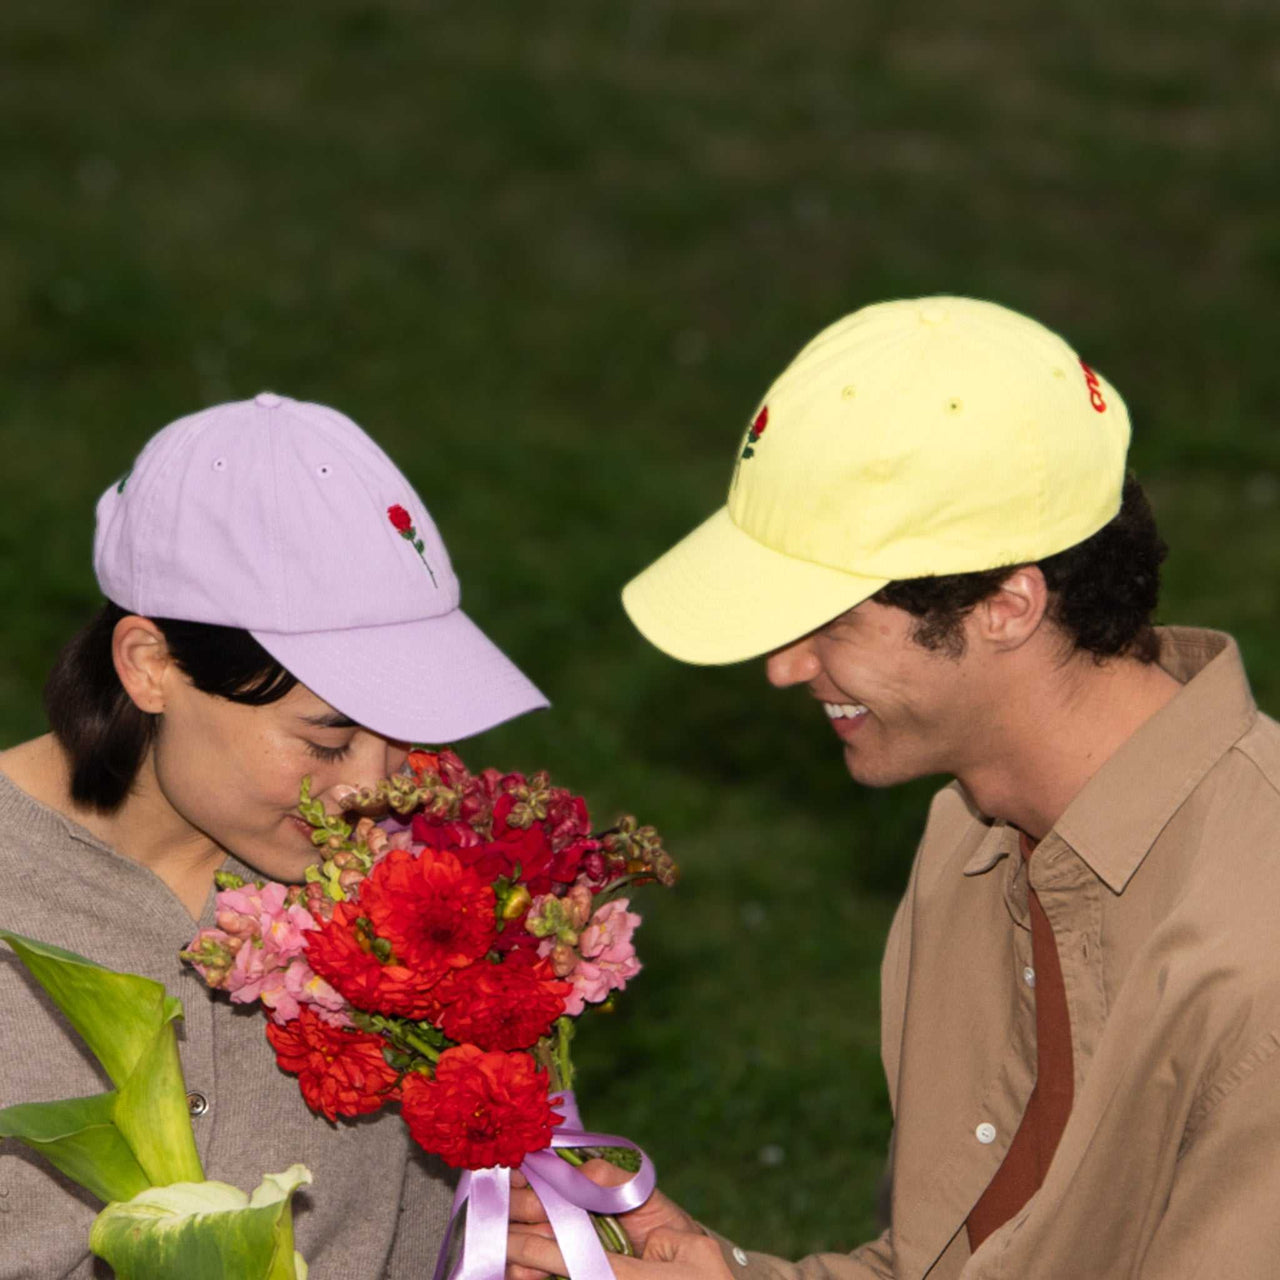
1010, 616
142, 661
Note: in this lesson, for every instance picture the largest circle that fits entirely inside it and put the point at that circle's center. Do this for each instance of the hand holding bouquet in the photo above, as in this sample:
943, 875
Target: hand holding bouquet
438, 953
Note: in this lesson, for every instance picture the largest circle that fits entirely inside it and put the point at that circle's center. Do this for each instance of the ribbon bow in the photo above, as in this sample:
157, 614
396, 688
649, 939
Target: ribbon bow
568, 1196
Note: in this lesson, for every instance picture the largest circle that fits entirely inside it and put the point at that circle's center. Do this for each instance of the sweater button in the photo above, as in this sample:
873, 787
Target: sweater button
197, 1104
985, 1133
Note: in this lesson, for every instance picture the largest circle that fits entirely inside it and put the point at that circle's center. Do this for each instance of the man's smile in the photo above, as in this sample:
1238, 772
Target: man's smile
846, 717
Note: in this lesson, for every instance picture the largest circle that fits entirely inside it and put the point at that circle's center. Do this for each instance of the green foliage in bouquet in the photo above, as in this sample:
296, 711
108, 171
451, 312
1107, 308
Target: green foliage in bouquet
133, 1146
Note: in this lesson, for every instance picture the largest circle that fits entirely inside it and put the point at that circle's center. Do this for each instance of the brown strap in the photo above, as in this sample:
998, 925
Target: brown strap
1020, 1175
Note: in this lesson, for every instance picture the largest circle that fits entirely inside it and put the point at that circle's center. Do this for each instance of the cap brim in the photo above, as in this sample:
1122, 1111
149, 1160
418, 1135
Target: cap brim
433, 681
719, 596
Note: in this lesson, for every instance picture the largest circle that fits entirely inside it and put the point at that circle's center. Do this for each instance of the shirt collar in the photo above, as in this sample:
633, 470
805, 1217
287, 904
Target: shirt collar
1117, 816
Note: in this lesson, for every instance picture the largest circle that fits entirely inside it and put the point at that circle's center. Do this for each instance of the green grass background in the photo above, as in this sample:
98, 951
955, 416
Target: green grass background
551, 254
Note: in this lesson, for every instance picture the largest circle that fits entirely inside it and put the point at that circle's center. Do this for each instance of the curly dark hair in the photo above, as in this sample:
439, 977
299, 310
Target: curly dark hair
1103, 591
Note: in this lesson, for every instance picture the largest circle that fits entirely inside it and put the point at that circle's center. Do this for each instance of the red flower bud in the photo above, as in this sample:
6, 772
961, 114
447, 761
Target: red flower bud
399, 517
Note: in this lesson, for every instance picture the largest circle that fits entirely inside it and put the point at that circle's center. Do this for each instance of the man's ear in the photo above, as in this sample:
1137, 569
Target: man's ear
142, 660
1009, 617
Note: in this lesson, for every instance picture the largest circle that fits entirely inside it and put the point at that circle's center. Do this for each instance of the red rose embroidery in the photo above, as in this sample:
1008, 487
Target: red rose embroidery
757, 430
403, 523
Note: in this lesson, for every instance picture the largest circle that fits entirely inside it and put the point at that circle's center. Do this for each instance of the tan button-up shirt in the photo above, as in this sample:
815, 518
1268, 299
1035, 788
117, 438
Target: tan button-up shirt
1162, 883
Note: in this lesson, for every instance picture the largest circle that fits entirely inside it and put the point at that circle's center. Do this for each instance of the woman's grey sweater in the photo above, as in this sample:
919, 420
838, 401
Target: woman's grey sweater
377, 1206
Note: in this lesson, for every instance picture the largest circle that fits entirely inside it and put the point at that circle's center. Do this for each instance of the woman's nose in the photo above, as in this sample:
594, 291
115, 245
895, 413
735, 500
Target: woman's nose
395, 754
795, 664
370, 759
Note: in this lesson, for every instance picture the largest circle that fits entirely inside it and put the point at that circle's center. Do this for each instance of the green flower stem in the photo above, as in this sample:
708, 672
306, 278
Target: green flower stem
400, 1033
611, 1232
421, 1046
616, 887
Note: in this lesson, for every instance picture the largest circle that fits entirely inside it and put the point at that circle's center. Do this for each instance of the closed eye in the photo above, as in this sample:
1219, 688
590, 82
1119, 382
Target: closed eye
330, 755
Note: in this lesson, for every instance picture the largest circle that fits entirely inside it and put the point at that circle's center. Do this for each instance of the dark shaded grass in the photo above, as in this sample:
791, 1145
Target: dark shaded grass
551, 255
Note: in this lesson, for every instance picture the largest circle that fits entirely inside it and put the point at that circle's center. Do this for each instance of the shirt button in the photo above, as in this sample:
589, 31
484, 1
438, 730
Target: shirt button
266, 400
985, 1133
739, 1256
197, 1104
1029, 976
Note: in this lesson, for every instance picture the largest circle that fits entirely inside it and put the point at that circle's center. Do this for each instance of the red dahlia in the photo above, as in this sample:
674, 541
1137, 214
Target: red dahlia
481, 1109
339, 953
340, 1073
436, 914
500, 1006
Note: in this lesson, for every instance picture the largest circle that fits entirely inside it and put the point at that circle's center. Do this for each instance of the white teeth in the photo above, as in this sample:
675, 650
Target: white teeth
843, 710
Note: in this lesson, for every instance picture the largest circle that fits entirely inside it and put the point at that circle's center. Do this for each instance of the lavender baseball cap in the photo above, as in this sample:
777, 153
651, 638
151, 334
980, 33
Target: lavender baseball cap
286, 520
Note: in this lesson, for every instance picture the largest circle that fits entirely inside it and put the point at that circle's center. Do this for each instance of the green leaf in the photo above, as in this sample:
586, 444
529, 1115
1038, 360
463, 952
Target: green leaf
203, 1231
151, 1113
79, 1137
116, 1014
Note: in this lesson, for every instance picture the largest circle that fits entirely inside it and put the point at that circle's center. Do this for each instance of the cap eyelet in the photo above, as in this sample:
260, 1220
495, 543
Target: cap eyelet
324, 471
954, 405
219, 464
847, 393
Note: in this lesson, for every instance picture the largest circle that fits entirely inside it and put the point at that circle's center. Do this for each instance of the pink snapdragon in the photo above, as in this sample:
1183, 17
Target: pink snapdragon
606, 956
258, 952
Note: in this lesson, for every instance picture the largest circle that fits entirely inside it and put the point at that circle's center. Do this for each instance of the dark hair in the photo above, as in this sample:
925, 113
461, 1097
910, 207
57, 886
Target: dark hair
105, 734
1103, 591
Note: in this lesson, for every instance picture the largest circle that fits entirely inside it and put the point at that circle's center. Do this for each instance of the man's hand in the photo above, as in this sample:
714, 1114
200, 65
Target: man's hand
658, 1219
669, 1254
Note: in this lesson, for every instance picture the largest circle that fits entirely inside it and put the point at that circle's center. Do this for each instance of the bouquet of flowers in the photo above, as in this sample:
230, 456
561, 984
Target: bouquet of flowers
438, 955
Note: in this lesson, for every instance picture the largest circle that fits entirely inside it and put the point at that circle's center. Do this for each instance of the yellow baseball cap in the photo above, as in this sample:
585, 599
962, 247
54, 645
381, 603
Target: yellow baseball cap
912, 438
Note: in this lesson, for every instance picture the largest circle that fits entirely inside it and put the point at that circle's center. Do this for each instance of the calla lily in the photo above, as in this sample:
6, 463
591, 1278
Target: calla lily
204, 1231
133, 1146
128, 1023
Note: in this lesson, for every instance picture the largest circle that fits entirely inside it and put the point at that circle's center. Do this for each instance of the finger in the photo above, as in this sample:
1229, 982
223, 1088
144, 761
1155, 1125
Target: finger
605, 1174
526, 1207
516, 1272
696, 1252
534, 1252
534, 1229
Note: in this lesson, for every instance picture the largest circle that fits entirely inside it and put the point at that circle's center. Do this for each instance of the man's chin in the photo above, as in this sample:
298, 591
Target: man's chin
867, 772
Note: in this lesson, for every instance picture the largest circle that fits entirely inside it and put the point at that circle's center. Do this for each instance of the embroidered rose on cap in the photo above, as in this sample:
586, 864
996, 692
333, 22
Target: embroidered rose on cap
757, 430
403, 524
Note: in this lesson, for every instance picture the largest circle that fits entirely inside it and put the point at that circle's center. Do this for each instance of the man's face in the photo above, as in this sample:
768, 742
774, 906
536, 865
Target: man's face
901, 711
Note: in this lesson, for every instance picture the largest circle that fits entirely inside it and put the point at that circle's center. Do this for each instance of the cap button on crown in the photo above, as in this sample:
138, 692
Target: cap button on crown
266, 400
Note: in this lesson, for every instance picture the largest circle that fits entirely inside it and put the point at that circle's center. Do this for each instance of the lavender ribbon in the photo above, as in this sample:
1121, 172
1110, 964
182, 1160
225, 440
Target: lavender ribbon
567, 1194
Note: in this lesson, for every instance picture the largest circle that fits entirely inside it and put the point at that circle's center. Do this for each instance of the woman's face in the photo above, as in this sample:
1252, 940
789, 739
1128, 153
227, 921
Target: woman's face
233, 772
